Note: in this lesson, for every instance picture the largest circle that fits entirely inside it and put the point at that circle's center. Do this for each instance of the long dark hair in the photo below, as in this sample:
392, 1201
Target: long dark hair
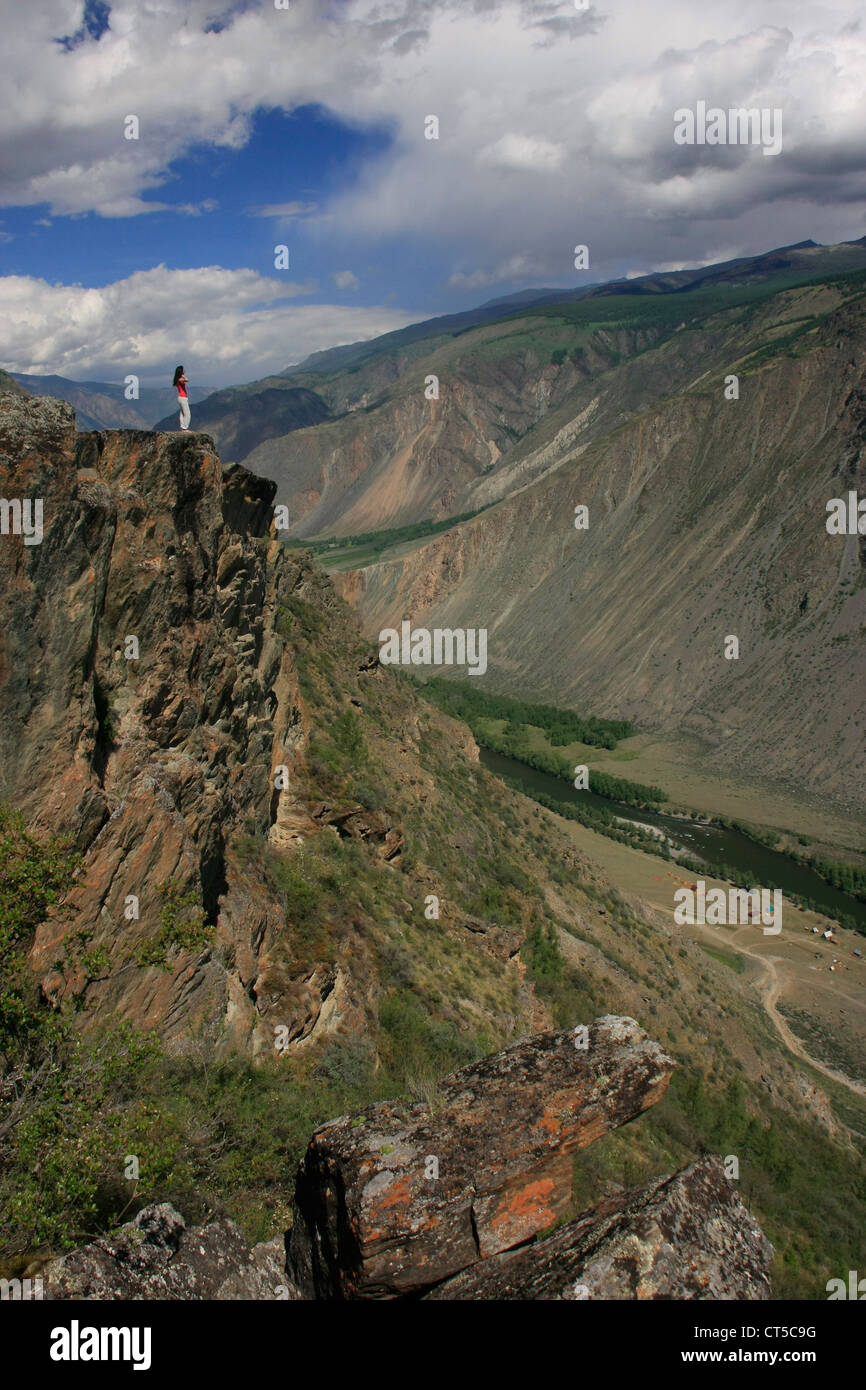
178, 373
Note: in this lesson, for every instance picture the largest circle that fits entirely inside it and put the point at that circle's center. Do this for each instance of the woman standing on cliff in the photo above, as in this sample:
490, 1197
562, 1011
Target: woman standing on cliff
182, 399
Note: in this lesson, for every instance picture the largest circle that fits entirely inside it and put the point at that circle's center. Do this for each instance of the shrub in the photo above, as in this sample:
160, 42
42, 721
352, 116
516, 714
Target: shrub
34, 875
183, 924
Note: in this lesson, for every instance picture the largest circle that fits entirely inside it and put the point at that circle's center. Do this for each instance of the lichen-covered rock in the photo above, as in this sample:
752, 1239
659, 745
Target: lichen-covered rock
399, 1197
157, 1257
683, 1237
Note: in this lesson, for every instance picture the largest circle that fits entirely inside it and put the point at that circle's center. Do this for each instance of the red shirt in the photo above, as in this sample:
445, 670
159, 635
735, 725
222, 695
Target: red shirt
181, 389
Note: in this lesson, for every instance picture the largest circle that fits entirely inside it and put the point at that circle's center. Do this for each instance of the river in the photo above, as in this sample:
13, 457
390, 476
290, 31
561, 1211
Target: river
759, 866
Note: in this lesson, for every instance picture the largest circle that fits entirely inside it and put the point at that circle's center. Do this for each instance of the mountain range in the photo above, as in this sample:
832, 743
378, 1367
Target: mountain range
706, 508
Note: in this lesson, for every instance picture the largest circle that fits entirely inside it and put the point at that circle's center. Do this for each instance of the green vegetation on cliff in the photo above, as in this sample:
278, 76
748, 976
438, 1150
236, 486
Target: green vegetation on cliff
33, 876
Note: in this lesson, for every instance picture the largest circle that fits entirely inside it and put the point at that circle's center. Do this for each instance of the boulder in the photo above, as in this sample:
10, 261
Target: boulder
399, 1197
156, 1256
682, 1237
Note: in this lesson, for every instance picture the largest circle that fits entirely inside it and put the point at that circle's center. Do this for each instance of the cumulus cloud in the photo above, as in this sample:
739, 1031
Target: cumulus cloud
556, 125
573, 143
598, 93
345, 280
224, 325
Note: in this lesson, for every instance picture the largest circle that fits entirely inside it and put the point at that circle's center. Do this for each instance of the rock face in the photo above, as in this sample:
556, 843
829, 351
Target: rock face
398, 1198
157, 1257
686, 1237
147, 695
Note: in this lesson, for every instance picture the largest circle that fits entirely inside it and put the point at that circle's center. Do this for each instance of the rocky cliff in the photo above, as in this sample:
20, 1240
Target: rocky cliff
145, 696
151, 666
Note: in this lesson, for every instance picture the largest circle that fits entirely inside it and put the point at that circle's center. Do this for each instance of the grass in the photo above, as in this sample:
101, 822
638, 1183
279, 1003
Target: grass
352, 552
732, 959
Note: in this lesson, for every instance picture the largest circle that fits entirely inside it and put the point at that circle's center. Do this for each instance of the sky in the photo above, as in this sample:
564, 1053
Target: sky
304, 124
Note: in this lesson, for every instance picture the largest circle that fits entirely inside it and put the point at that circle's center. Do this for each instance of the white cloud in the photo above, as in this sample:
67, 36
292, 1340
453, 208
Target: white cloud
224, 325
283, 210
544, 148
516, 268
196, 209
345, 280
522, 152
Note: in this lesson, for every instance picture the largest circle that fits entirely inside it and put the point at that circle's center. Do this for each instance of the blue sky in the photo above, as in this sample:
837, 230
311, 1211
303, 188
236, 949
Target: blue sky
300, 157
307, 126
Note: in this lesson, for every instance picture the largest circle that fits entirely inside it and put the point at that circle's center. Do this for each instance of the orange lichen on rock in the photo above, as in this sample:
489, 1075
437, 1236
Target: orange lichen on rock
503, 1134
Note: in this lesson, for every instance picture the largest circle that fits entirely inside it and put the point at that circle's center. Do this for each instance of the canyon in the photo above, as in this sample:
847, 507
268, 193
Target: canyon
221, 839
706, 512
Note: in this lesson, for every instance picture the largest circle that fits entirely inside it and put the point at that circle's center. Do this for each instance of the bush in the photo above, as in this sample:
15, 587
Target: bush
34, 875
63, 1160
418, 1049
542, 954
347, 1064
183, 925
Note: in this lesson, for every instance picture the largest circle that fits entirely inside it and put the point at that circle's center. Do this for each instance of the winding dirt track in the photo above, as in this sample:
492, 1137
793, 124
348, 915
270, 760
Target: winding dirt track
644, 880
769, 987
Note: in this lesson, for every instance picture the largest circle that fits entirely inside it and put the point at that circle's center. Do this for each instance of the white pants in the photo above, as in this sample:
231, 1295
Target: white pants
184, 412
